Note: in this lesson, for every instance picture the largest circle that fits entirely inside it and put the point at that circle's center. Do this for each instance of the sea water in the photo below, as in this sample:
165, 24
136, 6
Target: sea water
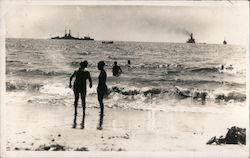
161, 76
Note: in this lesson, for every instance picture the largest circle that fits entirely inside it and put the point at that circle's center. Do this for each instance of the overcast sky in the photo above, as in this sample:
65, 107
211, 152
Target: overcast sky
132, 23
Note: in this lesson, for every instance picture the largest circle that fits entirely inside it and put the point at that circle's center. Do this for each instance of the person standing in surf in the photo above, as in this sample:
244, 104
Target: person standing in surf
102, 90
80, 88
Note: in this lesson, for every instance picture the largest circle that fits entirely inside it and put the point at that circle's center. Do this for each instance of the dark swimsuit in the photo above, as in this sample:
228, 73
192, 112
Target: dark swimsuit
102, 88
80, 82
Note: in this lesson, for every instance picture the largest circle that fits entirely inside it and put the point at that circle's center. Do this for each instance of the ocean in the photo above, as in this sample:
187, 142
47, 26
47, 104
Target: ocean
162, 76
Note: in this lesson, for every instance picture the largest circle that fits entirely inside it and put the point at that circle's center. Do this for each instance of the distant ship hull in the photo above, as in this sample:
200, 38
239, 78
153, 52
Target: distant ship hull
73, 38
107, 42
190, 41
70, 37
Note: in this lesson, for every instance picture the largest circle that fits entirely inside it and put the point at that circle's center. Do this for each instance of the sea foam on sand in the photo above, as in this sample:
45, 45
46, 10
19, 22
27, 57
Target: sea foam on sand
31, 126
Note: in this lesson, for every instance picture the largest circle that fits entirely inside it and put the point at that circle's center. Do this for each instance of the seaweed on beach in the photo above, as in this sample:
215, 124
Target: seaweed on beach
126, 136
53, 147
81, 149
235, 135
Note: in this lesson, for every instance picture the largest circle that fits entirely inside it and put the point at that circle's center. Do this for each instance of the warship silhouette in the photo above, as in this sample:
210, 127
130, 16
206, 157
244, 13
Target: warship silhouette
70, 37
107, 42
224, 42
191, 39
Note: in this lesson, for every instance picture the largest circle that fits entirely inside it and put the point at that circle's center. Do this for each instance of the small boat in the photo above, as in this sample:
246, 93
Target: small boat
107, 42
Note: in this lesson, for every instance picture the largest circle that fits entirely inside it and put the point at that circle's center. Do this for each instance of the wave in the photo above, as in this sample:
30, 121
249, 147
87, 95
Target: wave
136, 93
178, 68
75, 64
10, 62
150, 93
41, 72
227, 69
231, 96
205, 69
14, 86
84, 53
160, 66
200, 82
13, 61
180, 93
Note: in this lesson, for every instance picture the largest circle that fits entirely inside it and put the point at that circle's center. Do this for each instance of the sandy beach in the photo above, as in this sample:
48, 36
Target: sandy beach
33, 126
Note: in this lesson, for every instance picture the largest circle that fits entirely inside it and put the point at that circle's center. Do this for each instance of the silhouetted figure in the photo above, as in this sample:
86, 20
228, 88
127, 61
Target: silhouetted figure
116, 70
80, 88
129, 63
222, 67
102, 90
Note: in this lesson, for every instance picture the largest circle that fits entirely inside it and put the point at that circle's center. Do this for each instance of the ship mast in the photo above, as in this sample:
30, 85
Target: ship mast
224, 42
69, 32
191, 36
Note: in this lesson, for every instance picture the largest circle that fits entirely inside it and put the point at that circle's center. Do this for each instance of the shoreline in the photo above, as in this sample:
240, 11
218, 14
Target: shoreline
32, 126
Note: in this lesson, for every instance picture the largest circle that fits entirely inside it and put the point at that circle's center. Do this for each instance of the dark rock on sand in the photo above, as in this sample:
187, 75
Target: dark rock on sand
16, 148
82, 149
120, 149
235, 135
54, 147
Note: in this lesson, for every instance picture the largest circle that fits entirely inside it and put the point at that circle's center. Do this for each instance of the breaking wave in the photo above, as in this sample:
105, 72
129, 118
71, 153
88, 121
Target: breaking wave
136, 93
14, 86
180, 93
40, 72
205, 70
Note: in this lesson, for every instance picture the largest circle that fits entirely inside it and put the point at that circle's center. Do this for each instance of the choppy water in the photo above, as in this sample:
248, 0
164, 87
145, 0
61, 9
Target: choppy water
162, 75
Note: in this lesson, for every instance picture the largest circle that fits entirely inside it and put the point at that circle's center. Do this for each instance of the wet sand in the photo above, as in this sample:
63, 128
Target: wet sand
33, 126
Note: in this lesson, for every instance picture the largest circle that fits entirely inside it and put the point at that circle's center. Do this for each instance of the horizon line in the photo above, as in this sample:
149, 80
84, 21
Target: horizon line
49, 38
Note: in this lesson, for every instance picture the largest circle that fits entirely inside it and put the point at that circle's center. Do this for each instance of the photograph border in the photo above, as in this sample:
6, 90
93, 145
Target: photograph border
6, 5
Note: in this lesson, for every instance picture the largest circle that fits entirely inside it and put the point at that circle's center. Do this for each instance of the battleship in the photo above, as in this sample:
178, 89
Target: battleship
191, 39
70, 37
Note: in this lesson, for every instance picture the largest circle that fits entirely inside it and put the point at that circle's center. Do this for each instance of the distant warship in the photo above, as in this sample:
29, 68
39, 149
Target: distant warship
224, 42
191, 39
107, 42
70, 37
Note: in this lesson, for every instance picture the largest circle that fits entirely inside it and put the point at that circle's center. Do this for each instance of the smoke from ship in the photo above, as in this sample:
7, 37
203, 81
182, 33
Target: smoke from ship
182, 31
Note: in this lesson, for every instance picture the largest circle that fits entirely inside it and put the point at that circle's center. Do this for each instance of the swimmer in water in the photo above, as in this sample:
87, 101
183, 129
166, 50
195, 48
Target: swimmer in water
129, 62
222, 67
116, 70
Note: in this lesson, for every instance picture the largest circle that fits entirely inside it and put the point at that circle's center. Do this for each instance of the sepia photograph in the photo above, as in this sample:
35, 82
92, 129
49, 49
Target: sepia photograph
124, 78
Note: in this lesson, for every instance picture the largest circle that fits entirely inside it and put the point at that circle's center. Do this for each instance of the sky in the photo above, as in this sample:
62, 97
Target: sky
210, 24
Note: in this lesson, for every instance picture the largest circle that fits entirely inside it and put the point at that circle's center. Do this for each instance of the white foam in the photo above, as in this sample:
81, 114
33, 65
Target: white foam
56, 88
